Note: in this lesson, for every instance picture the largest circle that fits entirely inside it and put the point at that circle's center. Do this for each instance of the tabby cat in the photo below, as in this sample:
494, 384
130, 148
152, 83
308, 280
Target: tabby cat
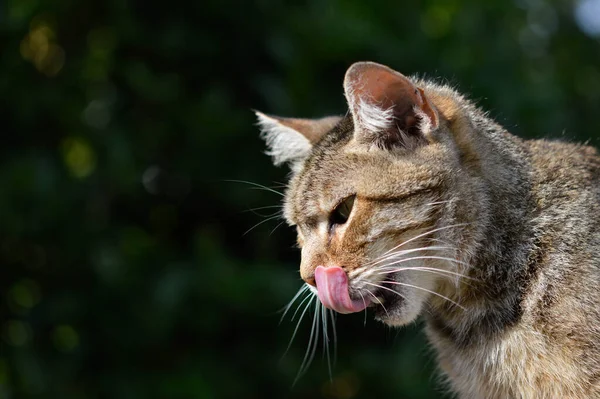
417, 204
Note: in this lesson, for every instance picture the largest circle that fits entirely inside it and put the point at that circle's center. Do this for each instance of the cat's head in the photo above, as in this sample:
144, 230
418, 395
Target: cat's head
376, 195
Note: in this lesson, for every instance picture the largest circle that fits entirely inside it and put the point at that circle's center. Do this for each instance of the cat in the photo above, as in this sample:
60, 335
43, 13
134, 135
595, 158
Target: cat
415, 203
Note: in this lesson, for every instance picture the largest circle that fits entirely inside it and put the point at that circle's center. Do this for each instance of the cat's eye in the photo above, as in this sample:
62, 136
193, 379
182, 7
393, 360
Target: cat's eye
341, 213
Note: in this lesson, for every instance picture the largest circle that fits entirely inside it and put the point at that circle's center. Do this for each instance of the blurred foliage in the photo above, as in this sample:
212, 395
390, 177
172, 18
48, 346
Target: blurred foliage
125, 270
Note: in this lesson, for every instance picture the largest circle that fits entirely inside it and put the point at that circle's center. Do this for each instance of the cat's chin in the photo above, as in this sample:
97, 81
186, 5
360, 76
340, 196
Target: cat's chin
398, 313
394, 306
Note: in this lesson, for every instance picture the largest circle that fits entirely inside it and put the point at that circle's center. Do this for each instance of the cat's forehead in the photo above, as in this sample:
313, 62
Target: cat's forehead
337, 169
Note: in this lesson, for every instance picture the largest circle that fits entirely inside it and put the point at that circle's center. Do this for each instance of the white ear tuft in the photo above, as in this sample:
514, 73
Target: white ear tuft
425, 124
284, 144
373, 118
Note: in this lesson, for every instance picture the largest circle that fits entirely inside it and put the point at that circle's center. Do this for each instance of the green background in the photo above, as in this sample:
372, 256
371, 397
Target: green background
124, 268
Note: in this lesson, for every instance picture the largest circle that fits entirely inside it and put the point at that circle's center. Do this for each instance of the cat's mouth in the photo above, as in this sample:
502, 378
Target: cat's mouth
334, 292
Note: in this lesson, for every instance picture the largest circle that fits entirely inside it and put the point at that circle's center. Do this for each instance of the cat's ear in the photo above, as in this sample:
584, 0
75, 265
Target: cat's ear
387, 108
290, 140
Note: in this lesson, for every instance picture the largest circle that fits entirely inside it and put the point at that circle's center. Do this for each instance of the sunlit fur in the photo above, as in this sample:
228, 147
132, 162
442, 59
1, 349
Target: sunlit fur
285, 144
493, 239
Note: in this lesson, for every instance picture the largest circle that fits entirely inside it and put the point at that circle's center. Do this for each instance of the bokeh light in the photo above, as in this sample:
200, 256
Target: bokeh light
587, 14
39, 46
65, 338
79, 157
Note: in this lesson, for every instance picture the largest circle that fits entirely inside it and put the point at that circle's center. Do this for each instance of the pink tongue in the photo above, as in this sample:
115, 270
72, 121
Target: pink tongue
332, 286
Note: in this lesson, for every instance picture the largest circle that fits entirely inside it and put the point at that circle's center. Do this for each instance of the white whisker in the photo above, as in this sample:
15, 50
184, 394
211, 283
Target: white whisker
426, 257
423, 289
334, 331
408, 251
256, 185
326, 339
261, 222
290, 303
298, 324
309, 296
254, 211
438, 240
364, 303
373, 268
280, 223
437, 202
430, 269
262, 207
314, 336
356, 271
425, 234
319, 307
386, 288
377, 299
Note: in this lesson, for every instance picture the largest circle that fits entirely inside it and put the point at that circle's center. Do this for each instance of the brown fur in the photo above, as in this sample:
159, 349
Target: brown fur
527, 235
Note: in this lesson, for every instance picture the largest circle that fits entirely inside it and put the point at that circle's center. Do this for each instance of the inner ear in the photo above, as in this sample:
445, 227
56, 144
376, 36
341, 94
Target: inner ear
386, 106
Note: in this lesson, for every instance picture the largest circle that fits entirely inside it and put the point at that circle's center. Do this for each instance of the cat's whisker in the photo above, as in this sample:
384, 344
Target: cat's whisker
310, 295
384, 288
275, 228
334, 331
261, 222
358, 270
259, 208
424, 289
377, 299
437, 203
256, 185
387, 256
431, 270
439, 240
452, 260
262, 215
394, 269
326, 339
279, 184
298, 323
398, 254
425, 234
314, 336
399, 259
367, 269
286, 308
395, 254
364, 303
319, 308
407, 251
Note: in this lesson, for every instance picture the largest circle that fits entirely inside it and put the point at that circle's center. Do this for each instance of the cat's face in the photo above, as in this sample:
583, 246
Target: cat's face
372, 198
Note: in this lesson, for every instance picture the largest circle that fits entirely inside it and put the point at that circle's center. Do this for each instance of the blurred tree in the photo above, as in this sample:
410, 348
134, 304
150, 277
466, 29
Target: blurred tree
125, 270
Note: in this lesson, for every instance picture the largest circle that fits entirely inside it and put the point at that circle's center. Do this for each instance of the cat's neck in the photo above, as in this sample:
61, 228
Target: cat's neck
500, 254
